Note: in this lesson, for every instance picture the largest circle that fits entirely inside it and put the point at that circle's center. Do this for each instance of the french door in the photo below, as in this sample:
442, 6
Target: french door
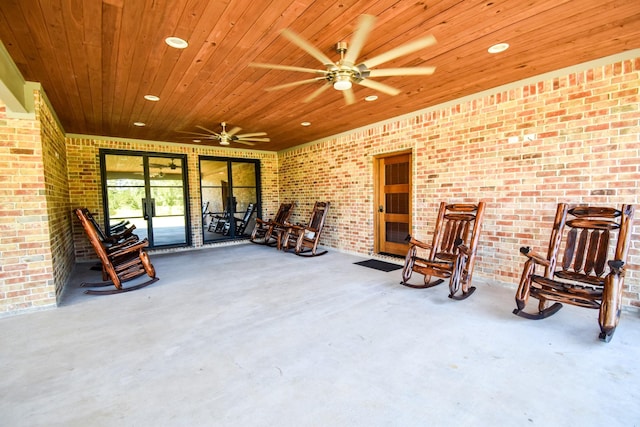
393, 203
148, 190
229, 186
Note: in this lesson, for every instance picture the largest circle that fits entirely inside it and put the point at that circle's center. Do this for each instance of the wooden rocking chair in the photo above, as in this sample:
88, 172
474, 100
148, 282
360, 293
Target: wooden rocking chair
304, 239
270, 232
594, 238
120, 265
452, 252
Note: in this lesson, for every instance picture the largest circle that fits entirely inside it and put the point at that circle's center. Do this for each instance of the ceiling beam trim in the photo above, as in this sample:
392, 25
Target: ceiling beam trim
14, 91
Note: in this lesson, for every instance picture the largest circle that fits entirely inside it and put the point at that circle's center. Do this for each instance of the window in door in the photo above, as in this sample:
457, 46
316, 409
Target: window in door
230, 197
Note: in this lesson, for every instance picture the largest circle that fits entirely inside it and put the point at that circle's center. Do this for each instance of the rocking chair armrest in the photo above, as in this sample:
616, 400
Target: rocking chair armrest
130, 248
295, 227
117, 246
537, 258
263, 222
415, 242
464, 250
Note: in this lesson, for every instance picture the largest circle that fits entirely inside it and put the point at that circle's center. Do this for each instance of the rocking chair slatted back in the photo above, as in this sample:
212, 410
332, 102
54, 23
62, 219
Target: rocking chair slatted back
587, 243
317, 216
455, 228
284, 212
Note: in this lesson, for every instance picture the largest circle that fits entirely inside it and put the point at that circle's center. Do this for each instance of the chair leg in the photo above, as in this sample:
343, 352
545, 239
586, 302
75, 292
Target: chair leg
459, 280
522, 294
610, 307
409, 261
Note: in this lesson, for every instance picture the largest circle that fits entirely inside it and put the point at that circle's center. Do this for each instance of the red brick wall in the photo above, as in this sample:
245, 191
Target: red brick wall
27, 278
586, 150
54, 159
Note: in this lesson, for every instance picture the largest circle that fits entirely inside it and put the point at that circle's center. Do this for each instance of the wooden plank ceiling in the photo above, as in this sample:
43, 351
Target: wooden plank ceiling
97, 59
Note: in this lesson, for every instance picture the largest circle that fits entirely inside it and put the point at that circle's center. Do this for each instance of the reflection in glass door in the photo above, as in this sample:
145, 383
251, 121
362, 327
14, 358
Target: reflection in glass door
148, 191
230, 188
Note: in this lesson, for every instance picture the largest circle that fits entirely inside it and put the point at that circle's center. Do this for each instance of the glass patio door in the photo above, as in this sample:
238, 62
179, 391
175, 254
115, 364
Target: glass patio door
149, 191
229, 186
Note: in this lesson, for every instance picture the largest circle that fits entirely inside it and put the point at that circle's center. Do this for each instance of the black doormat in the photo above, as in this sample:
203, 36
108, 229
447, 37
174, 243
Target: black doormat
379, 265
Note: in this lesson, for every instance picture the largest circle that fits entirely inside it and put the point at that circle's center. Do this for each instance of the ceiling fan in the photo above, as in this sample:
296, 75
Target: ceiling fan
342, 74
171, 165
226, 138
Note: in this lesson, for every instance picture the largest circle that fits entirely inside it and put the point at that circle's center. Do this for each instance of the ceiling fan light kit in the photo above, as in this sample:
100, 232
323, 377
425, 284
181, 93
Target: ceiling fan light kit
343, 74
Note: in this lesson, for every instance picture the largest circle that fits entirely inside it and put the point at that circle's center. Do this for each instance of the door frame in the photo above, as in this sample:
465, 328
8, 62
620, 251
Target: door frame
145, 155
378, 194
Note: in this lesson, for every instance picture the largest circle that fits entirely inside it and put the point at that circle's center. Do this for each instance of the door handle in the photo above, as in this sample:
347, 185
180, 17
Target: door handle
144, 209
153, 207
380, 208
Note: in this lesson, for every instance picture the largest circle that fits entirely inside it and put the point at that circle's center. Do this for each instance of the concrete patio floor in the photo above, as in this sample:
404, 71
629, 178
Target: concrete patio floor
247, 336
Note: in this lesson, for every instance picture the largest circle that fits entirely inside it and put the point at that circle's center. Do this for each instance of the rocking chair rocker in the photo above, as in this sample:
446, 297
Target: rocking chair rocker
125, 263
452, 253
592, 239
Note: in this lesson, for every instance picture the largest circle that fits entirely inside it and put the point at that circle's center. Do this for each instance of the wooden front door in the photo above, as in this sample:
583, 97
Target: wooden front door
393, 203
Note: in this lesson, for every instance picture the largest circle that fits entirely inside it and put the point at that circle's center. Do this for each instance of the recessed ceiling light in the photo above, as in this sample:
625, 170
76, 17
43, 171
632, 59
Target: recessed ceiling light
197, 140
139, 124
176, 42
152, 98
306, 123
371, 98
497, 48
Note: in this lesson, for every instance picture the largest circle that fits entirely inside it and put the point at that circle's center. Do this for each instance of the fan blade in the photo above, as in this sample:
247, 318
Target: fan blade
365, 24
214, 137
379, 87
254, 139
208, 130
286, 68
414, 71
245, 143
292, 84
251, 134
399, 51
349, 97
196, 133
234, 131
317, 92
307, 47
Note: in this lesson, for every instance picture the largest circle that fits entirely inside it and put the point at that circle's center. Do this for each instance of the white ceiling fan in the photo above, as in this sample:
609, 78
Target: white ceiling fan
344, 73
226, 138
